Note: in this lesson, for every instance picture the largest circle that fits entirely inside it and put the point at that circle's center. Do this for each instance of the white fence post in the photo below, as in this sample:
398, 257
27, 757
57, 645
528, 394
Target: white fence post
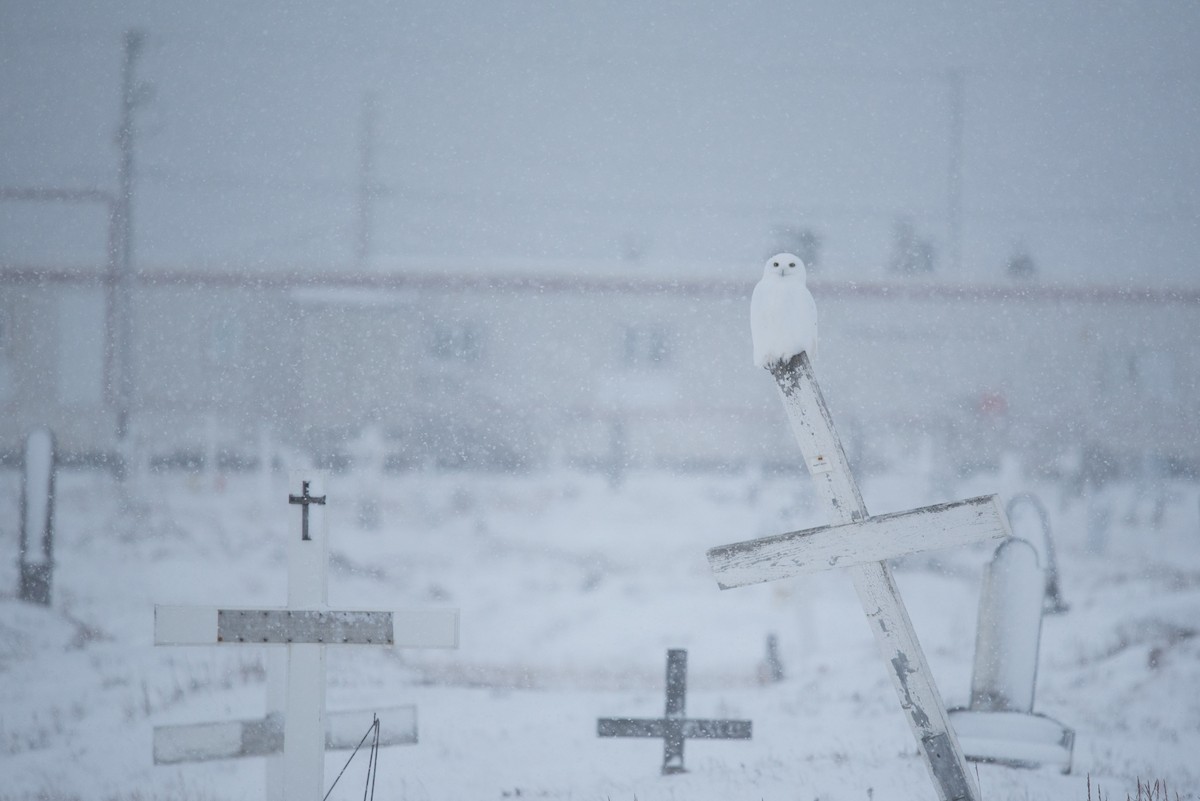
36, 547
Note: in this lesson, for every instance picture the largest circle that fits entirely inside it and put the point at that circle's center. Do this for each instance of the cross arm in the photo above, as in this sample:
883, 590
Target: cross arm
872, 540
703, 729
690, 728
199, 625
200, 742
631, 727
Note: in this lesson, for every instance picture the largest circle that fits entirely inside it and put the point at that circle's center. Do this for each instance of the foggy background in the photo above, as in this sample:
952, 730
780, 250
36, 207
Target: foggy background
506, 234
672, 133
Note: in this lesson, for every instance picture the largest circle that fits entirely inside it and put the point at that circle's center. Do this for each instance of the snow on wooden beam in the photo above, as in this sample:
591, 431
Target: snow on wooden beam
1016, 739
875, 539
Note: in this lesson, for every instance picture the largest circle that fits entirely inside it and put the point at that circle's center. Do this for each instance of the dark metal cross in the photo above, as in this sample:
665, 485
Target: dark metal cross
674, 727
305, 500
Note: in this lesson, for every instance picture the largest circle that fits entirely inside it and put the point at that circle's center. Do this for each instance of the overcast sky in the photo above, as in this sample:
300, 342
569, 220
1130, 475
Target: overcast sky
659, 135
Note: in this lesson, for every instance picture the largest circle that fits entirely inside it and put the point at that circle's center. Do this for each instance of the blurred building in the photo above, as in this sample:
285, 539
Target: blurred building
504, 369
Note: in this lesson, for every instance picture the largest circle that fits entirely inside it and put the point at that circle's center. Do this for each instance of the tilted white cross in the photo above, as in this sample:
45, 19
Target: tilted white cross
302, 630
862, 544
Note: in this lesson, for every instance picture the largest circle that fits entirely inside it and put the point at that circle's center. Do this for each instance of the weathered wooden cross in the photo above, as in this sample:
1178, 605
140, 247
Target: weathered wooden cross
862, 543
296, 719
674, 727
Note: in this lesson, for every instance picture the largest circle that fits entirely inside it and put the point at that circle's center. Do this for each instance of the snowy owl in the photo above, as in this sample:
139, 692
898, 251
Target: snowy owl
783, 316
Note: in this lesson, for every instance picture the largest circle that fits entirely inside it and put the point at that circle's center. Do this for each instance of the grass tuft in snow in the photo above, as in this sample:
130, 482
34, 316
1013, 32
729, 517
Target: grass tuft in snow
1145, 791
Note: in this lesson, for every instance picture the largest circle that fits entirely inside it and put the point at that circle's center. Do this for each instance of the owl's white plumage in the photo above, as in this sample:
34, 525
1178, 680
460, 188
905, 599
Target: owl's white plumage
783, 315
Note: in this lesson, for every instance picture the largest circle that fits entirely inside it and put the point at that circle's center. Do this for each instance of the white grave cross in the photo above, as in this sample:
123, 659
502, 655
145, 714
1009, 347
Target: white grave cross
862, 543
304, 628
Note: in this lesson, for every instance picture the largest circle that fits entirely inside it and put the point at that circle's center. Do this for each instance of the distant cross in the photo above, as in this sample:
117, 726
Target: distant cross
305, 500
674, 727
300, 631
862, 544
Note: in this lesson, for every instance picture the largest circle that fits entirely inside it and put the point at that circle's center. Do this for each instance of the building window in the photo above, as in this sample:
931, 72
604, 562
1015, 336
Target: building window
5, 369
461, 341
1152, 373
225, 340
646, 346
81, 348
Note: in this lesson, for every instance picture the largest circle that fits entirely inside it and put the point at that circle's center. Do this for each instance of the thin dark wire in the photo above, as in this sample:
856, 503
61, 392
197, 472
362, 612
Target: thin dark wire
370, 756
373, 727
372, 763
375, 772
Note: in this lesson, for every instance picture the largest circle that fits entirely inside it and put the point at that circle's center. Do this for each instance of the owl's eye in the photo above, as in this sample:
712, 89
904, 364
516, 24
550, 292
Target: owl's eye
791, 264
776, 264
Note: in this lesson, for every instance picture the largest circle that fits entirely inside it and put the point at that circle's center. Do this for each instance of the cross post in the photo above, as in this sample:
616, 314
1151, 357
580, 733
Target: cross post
861, 544
304, 707
675, 711
675, 727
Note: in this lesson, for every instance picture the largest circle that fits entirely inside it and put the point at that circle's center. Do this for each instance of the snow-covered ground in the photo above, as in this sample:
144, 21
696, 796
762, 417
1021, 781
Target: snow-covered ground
571, 592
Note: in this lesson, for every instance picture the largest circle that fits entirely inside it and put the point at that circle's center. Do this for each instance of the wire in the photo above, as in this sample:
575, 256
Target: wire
372, 760
372, 764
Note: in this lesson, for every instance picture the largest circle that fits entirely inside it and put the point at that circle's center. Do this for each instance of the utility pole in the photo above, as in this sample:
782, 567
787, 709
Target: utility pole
133, 94
954, 80
368, 189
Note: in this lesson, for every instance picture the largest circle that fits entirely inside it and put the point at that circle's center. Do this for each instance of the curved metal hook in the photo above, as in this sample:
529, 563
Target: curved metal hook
1054, 604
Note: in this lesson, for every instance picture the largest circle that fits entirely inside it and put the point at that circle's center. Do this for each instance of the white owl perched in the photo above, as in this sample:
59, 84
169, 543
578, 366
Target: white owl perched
783, 315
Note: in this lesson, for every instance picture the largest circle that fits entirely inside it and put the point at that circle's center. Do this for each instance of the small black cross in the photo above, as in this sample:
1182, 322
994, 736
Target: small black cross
675, 726
304, 499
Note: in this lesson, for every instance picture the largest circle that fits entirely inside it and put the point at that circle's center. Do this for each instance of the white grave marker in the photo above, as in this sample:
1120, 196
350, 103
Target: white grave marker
1000, 725
36, 547
862, 543
302, 630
